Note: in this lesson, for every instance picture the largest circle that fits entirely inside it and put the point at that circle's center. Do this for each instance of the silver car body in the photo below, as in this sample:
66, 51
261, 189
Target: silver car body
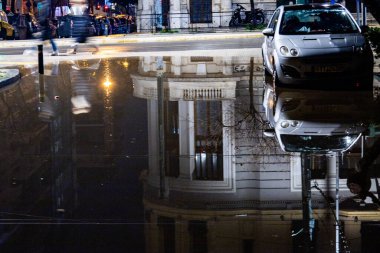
317, 46
317, 121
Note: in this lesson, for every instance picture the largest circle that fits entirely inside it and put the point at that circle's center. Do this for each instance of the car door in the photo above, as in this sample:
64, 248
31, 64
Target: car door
268, 46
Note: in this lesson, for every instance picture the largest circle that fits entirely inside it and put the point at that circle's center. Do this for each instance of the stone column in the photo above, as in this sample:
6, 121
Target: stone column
226, 12
154, 175
227, 65
145, 19
175, 14
186, 138
176, 64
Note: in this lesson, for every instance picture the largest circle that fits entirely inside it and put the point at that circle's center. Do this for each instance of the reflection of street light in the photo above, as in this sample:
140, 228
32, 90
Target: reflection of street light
107, 75
125, 64
108, 109
107, 83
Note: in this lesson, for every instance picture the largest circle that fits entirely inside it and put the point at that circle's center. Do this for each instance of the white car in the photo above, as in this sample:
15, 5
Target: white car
317, 121
317, 46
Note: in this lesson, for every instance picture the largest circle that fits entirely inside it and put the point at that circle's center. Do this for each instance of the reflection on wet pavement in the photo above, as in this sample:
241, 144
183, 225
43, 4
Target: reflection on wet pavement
84, 168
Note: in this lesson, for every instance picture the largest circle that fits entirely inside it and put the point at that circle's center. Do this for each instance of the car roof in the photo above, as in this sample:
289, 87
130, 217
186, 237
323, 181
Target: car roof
312, 6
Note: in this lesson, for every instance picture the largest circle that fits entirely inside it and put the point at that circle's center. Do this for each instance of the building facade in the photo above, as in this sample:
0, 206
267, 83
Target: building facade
226, 187
192, 14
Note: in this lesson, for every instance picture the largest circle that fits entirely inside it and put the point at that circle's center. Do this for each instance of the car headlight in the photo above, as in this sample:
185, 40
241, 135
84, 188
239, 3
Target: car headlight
294, 123
293, 52
284, 124
286, 52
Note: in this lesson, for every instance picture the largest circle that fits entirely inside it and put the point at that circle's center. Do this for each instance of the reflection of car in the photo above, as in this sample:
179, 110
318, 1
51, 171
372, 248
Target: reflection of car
317, 121
6, 30
315, 46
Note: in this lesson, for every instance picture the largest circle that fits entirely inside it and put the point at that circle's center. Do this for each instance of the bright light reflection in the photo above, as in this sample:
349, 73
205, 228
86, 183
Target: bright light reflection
125, 64
107, 83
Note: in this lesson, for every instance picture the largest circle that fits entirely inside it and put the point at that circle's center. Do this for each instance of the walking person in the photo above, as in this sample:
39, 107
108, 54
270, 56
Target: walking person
49, 33
81, 26
49, 29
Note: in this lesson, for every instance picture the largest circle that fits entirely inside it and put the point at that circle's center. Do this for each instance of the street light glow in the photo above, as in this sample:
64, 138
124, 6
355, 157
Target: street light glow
107, 83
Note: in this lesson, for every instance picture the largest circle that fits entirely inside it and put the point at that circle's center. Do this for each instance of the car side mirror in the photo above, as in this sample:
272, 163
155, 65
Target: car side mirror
269, 133
268, 32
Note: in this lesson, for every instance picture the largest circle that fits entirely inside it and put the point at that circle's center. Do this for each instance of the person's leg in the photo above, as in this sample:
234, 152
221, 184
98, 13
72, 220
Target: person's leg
54, 47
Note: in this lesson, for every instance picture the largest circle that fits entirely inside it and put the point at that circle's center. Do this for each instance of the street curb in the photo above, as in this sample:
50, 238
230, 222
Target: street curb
11, 76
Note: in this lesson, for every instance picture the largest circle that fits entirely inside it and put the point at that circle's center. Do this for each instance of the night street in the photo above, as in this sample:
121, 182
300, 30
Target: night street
191, 142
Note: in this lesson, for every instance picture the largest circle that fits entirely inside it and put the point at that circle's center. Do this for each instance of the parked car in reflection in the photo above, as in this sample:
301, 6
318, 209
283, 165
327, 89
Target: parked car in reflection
316, 121
6, 30
317, 46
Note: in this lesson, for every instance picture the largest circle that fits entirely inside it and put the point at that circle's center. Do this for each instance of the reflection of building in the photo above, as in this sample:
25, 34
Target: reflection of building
227, 189
36, 152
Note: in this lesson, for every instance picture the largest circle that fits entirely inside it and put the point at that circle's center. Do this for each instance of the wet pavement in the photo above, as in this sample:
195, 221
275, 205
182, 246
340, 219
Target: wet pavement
86, 147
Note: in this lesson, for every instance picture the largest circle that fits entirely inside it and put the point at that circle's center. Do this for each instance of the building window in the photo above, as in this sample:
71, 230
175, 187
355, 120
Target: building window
198, 236
208, 140
171, 139
200, 11
166, 227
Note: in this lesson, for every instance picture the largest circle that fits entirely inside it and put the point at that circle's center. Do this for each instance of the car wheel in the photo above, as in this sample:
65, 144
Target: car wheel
266, 71
276, 82
272, 109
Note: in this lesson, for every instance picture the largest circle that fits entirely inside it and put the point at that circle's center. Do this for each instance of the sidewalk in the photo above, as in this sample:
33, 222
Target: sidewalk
139, 38
143, 38
30, 53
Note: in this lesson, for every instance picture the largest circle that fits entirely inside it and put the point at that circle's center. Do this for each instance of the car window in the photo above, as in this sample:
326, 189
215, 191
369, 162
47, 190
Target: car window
273, 21
317, 21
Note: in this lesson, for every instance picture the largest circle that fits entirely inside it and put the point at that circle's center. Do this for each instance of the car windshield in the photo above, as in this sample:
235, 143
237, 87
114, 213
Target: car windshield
313, 143
317, 21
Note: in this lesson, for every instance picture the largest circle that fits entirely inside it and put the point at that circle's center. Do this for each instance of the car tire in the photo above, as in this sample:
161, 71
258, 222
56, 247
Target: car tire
276, 81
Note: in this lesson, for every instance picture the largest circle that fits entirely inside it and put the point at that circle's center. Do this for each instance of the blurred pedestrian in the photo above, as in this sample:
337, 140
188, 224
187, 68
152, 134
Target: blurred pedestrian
49, 33
48, 29
81, 26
